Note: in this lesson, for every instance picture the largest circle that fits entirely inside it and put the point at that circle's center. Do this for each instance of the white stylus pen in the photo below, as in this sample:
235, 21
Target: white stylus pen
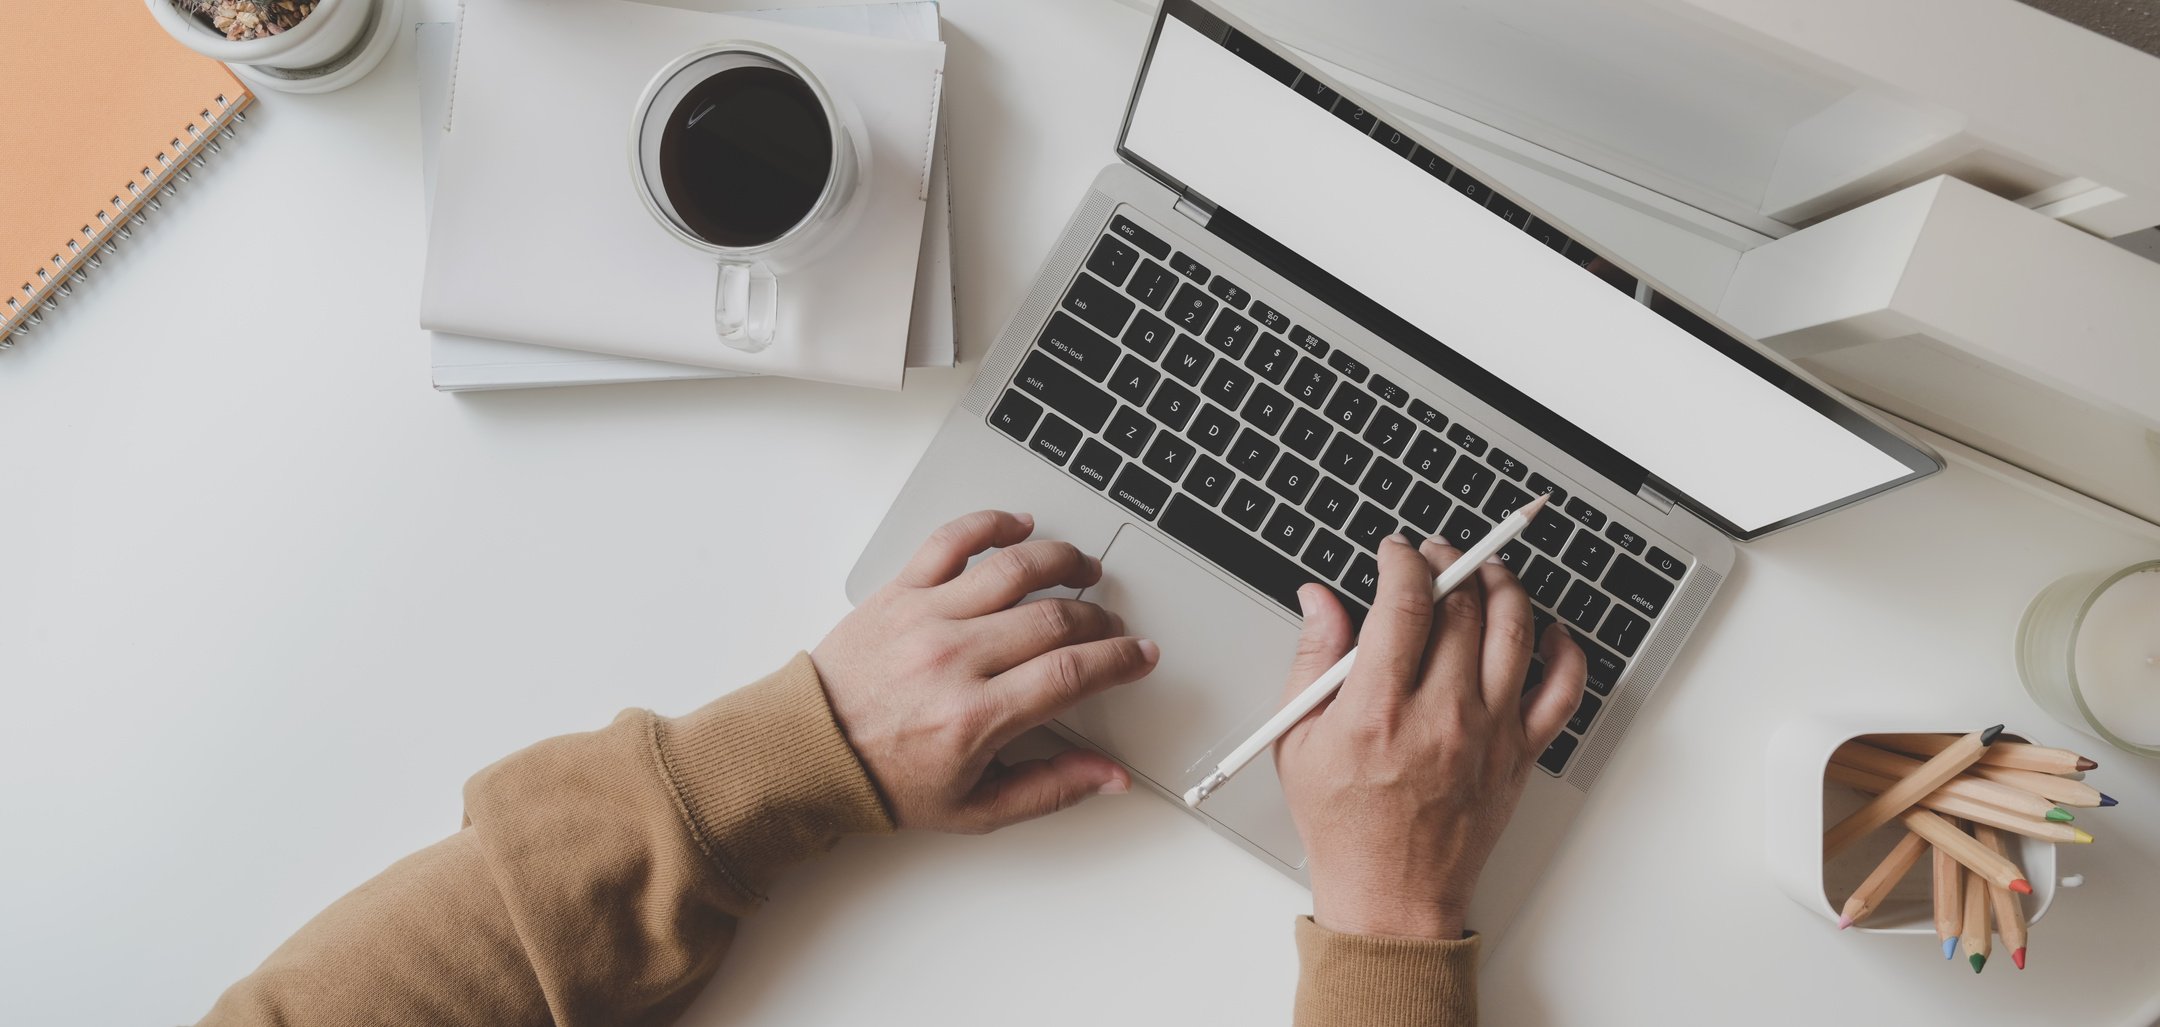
1317, 692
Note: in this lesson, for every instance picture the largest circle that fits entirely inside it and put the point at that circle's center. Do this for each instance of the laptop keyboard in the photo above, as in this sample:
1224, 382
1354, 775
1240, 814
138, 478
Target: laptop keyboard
1284, 459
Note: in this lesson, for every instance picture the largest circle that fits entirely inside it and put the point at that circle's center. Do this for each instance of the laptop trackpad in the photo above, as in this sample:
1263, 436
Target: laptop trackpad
1225, 657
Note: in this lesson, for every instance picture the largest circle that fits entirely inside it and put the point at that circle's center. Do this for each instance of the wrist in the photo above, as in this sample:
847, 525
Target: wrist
1387, 913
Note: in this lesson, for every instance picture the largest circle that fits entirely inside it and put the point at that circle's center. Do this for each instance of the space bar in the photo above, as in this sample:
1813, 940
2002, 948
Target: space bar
1248, 558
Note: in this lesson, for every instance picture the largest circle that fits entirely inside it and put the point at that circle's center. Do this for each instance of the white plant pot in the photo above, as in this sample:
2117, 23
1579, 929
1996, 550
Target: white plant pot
333, 47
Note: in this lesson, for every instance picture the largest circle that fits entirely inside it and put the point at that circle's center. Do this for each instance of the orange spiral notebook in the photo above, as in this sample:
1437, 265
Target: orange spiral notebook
106, 114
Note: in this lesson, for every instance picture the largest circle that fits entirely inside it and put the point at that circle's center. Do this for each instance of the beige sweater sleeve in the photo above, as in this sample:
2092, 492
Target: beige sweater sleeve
598, 879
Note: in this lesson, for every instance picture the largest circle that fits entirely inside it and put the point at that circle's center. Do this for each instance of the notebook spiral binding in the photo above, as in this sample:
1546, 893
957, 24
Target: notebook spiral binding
186, 154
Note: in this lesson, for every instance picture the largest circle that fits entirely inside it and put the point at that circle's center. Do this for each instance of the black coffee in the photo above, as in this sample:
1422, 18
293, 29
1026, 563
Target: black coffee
745, 155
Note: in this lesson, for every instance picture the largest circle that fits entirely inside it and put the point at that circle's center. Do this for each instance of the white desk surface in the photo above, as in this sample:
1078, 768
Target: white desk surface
266, 600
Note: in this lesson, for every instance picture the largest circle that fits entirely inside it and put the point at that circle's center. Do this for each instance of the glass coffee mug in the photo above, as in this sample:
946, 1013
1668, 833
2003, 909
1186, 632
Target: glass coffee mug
740, 152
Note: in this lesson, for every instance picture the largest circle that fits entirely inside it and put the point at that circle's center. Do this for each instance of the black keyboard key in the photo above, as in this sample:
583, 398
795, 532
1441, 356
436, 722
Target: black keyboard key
1191, 309
1212, 428
1540, 621
1099, 305
1505, 499
1425, 507
1170, 455
1055, 438
1173, 405
1509, 211
1390, 393
1078, 345
1429, 456
1292, 478
1463, 528
1253, 454
1267, 409
1587, 555
1096, 464
1307, 434
1226, 384
1582, 605
1326, 555
1123, 228
1152, 285
1552, 237
1545, 581
1310, 383
1469, 440
1555, 757
1209, 480
1350, 408
1191, 268
1395, 139
1271, 358
1312, 89
1371, 527
1349, 367
1129, 431
1426, 415
1270, 318
1540, 485
1015, 415
1637, 586
1345, 458
1332, 502
1385, 484
1433, 164
1590, 516
1355, 116
1248, 505
1624, 537
1148, 336
1623, 630
1188, 360
1245, 557
1605, 668
1468, 481
1667, 564
1287, 529
1229, 292
1140, 492
1310, 343
1549, 530
1586, 712
1500, 460
1468, 185
1534, 677
1112, 260
1231, 334
1363, 581
1514, 556
1390, 432
1063, 391
1134, 379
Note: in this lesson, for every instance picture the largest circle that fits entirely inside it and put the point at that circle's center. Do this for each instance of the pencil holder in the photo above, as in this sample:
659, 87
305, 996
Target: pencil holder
1801, 804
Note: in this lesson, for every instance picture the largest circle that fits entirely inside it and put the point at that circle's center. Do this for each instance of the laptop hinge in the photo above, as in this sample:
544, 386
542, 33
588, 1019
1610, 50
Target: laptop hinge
1649, 494
1195, 206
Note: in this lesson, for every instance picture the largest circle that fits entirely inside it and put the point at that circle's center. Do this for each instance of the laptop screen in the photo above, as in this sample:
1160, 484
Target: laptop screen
1532, 321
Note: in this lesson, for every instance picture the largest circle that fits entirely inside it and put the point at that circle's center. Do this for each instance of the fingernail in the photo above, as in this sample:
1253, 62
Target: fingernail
1114, 786
1150, 650
1026, 520
1304, 601
1399, 537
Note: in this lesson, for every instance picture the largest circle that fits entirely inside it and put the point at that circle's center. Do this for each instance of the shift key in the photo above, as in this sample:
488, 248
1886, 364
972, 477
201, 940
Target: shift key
1065, 392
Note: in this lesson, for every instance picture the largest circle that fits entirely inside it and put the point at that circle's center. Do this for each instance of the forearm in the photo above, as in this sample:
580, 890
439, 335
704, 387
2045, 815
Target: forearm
598, 878
1356, 980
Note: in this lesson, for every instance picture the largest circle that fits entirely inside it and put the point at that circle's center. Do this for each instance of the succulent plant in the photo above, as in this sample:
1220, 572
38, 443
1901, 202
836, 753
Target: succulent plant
248, 19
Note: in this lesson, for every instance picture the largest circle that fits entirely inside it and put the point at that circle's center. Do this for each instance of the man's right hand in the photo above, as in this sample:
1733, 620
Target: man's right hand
1401, 784
933, 674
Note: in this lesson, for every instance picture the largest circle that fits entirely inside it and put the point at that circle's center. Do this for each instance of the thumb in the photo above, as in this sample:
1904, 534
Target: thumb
1036, 788
1324, 639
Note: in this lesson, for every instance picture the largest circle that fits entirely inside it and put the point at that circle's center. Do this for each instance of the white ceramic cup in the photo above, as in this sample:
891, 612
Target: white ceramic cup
746, 299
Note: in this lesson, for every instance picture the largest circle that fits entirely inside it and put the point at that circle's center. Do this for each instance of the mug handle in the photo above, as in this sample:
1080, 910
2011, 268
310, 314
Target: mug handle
746, 305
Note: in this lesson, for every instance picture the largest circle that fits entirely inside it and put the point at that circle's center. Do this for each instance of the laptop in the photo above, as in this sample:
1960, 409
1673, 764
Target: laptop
1280, 328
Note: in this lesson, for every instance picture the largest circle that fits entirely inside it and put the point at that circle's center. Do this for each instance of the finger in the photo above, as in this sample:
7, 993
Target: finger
1322, 641
1452, 670
946, 553
1008, 638
1509, 635
1556, 697
1008, 575
1042, 688
1037, 788
1393, 642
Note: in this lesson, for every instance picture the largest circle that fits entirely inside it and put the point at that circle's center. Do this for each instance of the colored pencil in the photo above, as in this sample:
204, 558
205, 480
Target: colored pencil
1949, 898
1884, 877
1890, 764
2017, 755
1880, 810
2061, 790
1975, 935
1961, 847
2009, 909
1942, 801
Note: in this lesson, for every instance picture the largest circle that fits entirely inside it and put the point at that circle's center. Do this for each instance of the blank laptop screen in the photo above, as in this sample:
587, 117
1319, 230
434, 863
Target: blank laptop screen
1749, 445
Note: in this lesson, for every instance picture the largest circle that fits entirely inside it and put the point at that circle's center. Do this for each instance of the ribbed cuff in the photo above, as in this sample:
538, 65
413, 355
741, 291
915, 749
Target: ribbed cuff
1376, 981
765, 777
